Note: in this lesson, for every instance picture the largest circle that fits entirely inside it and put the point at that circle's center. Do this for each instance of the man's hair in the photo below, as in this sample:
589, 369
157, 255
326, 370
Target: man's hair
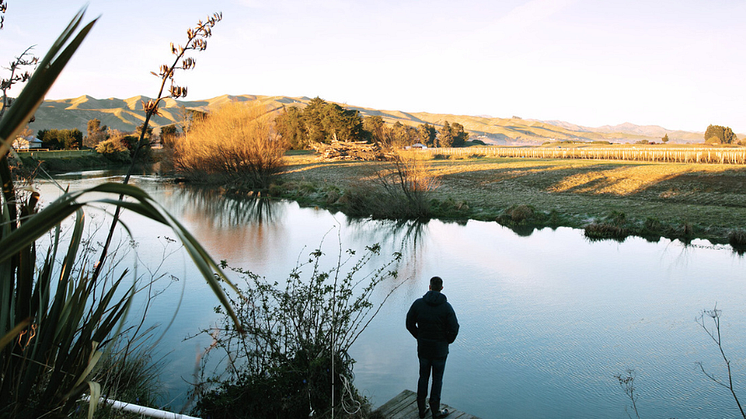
436, 284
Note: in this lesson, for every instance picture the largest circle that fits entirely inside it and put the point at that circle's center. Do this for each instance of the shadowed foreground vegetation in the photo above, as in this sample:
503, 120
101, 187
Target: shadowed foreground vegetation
610, 199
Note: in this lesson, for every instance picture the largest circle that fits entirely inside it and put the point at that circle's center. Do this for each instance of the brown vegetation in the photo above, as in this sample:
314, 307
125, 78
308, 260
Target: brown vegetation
611, 152
236, 142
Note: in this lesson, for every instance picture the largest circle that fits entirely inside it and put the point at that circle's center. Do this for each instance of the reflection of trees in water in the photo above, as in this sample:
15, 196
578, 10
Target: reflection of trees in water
223, 211
404, 236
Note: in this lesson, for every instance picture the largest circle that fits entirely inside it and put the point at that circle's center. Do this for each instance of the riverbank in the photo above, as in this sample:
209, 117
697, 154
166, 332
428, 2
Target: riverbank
649, 199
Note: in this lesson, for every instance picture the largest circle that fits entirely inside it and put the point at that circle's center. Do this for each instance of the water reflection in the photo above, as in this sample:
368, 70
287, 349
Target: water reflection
228, 212
547, 319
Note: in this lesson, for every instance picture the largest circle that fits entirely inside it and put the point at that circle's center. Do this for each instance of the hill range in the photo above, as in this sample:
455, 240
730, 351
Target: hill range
126, 114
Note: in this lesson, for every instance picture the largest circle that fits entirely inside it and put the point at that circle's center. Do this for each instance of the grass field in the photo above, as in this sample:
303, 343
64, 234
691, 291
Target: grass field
696, 200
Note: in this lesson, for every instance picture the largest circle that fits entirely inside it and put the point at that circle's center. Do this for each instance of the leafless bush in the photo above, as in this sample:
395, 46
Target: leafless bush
405, 185
714, 333
627, 382
237, 142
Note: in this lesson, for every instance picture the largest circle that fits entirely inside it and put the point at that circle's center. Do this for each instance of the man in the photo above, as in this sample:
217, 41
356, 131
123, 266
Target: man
432, 321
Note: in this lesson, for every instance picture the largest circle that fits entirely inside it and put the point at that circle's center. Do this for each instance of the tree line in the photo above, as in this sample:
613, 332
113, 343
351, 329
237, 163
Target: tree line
324, 122
716, 134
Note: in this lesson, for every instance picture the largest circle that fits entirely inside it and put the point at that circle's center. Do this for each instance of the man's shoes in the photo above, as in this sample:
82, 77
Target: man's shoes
423, 408
438, 414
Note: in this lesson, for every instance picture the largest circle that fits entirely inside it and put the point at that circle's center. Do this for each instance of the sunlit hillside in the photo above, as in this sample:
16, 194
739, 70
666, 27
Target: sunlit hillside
126, 114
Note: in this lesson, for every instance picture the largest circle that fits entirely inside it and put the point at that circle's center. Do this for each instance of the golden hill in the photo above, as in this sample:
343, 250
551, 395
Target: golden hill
126, 114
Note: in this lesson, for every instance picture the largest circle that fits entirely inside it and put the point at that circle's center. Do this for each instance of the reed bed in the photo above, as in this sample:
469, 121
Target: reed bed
631, 153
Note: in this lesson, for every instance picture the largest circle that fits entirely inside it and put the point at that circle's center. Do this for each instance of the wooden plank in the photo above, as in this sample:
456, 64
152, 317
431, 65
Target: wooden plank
399, 404
404, 406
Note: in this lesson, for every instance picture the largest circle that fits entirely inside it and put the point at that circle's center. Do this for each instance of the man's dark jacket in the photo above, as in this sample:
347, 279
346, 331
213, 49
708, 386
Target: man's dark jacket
432, 321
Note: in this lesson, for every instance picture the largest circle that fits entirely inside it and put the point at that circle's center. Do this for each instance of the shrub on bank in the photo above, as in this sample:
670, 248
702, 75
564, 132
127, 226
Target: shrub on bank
737, 239
292, 361
235, 142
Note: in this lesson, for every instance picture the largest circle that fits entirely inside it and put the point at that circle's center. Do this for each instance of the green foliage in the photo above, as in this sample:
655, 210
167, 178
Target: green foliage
427, 134
717, 134
399, 135
293, 358
459, 135
96, 133
445, 136
61, 139
289, 124
114, 150
319, 122
373, 128
452, 135
664, 140
55, 314
168, 134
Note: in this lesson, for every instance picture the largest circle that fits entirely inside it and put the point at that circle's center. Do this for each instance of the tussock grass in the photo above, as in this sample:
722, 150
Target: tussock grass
737, 239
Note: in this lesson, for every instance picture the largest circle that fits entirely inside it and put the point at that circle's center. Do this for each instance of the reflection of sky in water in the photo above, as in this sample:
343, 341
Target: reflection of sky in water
547, 320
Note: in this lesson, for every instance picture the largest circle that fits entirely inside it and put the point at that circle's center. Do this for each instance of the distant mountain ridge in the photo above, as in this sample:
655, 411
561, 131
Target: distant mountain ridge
127, 114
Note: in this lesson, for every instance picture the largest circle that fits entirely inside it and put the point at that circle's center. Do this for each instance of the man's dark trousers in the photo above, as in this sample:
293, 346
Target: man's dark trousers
438, 366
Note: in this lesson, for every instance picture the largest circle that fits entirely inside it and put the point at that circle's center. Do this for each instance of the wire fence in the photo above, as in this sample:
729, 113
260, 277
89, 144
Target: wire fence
651, 154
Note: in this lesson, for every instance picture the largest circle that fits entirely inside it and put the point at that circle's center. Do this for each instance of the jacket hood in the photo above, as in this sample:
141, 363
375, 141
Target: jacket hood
434, 298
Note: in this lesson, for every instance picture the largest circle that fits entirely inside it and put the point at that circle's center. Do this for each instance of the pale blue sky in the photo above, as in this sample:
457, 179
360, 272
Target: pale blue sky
679, 64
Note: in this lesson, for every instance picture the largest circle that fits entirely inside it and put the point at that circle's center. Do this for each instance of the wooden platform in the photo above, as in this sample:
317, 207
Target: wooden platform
404, 406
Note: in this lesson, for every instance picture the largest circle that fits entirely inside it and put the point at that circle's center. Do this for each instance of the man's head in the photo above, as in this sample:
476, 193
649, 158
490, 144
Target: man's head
436, 284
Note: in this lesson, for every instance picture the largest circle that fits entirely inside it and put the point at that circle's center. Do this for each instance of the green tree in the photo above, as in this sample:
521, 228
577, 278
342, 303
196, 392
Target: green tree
313, 117
720, 134
665, 138
404, 135
289, 124
445, 136
373, 127
168, 133
427, 134
324, 122
61, 139
95, 133
459, 135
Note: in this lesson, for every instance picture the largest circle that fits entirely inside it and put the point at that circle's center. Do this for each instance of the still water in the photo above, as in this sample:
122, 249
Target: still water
547, 320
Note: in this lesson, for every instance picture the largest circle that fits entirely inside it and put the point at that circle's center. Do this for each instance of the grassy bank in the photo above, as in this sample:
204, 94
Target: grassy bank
650, 199
67, 163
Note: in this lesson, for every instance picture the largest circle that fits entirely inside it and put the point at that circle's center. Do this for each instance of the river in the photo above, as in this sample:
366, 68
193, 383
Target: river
547, 319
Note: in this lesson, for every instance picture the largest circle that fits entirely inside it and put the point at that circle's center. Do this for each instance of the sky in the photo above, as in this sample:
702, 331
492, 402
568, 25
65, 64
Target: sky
679, 64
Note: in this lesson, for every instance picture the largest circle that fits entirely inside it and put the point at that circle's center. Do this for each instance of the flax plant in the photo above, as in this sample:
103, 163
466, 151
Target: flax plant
54, 318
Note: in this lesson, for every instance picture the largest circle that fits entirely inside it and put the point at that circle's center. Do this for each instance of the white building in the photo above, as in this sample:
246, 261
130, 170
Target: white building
27, 143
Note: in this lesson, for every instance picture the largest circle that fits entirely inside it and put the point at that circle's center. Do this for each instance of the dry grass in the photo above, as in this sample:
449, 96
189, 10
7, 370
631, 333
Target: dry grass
711, 197
236, 141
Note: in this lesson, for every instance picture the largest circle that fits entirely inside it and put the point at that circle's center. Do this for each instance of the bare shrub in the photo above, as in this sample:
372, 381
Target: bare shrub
714, 333
237, 142
405, 185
